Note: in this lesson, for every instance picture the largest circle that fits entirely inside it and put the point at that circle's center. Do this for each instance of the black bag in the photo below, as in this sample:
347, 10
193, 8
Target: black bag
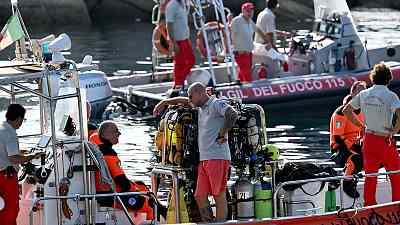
302, 171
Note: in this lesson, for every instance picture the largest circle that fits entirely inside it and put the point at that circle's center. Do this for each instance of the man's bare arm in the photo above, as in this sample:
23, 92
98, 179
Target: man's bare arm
171, 101
230, 118
396, 127
171, 36
348, 112
170, 31
267, 39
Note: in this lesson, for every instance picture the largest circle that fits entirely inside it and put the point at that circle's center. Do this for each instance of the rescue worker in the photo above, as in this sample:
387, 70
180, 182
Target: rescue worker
242, 31
379, 105
109, 136
176, 16
215, 118
10, 157
345, 141
266, 22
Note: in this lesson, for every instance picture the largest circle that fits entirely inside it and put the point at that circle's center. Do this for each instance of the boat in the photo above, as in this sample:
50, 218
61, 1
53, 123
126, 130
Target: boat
311, 68
58, 188
33, 54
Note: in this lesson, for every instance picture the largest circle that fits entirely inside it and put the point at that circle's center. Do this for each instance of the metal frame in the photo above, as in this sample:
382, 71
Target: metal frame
174, 172
92, 197
341, 178
13, 82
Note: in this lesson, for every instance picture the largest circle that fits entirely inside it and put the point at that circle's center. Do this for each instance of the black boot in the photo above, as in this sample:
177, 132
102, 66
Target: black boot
350, 188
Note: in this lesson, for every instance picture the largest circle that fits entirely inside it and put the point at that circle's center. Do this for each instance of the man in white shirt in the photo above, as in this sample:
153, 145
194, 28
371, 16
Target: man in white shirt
10, 157
266, 22
378, 104
243, 29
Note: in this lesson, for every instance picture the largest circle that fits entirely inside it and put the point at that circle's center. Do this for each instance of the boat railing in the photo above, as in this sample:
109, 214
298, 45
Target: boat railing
175, 172
335, 178
117, 196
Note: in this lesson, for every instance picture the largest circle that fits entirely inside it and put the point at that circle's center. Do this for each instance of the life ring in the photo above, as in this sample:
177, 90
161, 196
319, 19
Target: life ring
160, 39
212, 27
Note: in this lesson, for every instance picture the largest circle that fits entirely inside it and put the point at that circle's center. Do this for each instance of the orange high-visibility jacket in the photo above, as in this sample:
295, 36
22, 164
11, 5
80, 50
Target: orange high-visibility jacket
344, 128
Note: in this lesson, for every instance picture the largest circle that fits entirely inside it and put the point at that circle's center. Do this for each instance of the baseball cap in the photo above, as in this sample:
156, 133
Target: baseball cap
247, 6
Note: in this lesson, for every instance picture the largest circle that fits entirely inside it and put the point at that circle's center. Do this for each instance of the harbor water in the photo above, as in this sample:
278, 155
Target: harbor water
301, 132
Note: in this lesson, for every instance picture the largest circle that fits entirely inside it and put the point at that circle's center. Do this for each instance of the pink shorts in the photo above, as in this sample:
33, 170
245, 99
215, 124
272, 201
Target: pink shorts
212, 177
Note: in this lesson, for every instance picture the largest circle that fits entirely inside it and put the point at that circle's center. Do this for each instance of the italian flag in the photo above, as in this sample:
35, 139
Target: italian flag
11, 32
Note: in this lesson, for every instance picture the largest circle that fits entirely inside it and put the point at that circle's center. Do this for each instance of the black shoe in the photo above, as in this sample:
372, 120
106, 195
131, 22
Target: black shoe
350, 188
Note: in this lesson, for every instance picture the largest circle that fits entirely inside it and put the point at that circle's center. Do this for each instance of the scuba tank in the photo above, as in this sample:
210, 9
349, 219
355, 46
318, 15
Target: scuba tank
244, 190
263, 198
252, 132
177, 136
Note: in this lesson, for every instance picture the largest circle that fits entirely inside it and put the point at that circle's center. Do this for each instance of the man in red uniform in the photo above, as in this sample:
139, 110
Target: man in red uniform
176, 16
243, 29
345, 140
379, 105
11, 156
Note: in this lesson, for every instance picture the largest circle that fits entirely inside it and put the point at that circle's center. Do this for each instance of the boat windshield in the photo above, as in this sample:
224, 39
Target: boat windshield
324, 8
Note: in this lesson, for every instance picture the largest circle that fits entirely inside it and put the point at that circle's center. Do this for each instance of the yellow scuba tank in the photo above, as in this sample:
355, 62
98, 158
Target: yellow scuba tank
185, 118
170, 135
160, 135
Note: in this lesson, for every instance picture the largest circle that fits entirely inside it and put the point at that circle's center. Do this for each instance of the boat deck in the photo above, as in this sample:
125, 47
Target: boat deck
11, 72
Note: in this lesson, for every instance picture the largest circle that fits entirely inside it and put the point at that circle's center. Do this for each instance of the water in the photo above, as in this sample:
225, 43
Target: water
300, 131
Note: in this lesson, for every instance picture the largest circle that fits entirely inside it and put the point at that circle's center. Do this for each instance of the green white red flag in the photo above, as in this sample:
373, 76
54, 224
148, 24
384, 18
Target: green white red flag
11, 32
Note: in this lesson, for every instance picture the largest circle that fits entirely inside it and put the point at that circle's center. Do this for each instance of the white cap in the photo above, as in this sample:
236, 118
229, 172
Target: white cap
57, 58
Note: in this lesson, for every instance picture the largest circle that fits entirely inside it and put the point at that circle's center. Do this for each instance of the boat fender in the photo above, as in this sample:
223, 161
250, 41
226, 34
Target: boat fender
217, 48
160, 39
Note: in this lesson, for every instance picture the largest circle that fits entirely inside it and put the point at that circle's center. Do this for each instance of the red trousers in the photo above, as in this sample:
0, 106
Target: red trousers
377, 150
244, 61
9, 191
183, 61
